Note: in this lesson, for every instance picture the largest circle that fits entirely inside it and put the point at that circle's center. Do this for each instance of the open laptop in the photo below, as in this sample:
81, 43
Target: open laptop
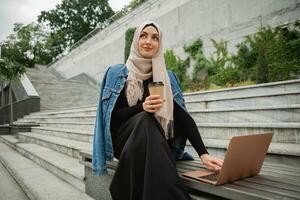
244, 157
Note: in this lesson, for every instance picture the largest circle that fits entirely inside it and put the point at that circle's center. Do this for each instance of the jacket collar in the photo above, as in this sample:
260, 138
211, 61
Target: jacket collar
123, 71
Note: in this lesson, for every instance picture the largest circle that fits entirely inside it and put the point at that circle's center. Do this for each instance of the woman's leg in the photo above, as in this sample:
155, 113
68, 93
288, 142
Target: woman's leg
146, 169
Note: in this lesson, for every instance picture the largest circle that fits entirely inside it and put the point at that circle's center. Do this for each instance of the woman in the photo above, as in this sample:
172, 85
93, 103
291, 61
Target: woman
145, 132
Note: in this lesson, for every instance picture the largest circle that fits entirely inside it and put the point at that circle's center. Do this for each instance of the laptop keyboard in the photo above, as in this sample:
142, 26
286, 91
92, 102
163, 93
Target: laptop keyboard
211, 177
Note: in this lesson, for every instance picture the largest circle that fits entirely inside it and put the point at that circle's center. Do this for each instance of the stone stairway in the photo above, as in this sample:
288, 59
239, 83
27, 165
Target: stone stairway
58, 93
45, 161
54, 146
272, 107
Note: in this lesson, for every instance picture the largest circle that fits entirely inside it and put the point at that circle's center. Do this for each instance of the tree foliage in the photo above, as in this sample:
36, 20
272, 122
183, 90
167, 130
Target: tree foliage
73, 19
195, 51
27, 46
271, 54
128, 41
133, 4
222, 71
10, 70
178, 66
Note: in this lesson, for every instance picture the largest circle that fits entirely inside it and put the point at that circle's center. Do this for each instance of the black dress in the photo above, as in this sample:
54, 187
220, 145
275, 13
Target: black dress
147, 169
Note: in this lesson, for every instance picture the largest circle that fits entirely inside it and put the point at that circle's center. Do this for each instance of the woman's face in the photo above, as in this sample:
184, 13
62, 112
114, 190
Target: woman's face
148, 43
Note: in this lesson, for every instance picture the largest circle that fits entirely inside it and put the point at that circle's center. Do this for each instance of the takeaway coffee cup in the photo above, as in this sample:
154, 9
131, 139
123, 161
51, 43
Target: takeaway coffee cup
156, 88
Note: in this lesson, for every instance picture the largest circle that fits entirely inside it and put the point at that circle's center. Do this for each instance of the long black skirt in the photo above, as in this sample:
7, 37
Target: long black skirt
146, 169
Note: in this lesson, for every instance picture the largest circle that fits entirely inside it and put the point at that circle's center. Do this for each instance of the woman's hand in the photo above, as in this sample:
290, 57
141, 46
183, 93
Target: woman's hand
211, 162
152, 103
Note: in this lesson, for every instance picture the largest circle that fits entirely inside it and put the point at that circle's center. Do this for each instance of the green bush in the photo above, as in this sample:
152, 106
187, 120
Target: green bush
128, 40
271, 54
195, 51
178, 66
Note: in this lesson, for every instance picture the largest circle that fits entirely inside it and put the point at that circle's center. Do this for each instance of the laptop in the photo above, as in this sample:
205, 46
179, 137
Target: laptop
244, 157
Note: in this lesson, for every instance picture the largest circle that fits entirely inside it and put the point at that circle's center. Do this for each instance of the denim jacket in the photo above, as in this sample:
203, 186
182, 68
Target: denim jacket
111, 87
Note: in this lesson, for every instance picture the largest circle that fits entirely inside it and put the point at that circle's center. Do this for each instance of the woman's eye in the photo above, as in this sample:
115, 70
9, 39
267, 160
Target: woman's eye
155, 38
143, 36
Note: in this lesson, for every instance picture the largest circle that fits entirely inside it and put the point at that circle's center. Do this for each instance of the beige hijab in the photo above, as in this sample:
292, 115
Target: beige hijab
140, 69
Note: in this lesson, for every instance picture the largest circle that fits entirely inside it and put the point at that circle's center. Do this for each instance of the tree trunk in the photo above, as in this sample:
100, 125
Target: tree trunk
11, 104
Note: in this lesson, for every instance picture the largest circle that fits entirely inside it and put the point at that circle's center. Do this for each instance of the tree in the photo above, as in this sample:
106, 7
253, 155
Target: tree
10, 71
73, 19
28, 45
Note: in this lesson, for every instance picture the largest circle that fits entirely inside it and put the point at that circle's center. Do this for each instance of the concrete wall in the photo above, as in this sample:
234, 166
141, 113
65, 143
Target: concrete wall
182, 22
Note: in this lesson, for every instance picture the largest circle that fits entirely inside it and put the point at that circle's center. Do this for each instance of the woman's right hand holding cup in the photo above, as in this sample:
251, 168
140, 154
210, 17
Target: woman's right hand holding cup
152, 103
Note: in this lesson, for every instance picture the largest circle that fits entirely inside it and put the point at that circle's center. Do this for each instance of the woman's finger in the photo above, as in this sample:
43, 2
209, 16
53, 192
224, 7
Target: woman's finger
156, 101
217, 162
152, 97
209, 165
155, 106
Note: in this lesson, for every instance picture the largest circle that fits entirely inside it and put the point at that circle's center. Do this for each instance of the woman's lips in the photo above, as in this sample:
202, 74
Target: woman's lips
147, 49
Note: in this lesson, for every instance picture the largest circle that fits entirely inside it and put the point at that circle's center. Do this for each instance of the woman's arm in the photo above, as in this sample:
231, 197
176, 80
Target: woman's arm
193, 135
121, 110
190, 129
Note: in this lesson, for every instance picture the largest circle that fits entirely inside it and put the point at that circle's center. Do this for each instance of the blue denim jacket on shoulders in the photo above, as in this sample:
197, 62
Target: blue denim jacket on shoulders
111, 87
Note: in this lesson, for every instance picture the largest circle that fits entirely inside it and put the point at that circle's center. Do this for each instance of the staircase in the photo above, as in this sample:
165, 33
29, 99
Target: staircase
272, 107
52, 149
58, 93
45, 161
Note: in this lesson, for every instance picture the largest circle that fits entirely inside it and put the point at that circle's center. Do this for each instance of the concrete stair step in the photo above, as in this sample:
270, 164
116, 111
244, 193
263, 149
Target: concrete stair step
74, 107
278, 153
285, 98
70, 114
73, 134
65, 113
10, 189
73, 118
69, 125
275, 148
283, 132
265, 114
259, 89
37, 182
67, 146
63, 166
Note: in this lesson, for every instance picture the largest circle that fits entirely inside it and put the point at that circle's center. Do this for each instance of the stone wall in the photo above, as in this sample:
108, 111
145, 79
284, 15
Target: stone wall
182, 22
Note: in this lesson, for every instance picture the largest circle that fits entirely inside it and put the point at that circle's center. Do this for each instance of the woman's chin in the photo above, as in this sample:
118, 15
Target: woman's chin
147, 55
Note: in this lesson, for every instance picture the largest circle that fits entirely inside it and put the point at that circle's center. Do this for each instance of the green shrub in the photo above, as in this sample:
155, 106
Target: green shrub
128, 41
178, 66
271, 54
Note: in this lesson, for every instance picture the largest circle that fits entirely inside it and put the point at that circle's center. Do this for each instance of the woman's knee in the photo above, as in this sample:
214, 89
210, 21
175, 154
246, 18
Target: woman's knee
144, 116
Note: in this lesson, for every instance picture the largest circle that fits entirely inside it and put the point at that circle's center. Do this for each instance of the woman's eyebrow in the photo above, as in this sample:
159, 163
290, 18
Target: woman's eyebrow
144, 32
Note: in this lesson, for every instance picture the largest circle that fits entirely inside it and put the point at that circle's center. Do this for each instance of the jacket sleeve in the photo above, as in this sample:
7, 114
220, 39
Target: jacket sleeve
99, 161
177, 89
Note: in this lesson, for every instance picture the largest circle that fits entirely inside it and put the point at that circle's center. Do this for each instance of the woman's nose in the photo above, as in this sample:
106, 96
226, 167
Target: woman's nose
148, 41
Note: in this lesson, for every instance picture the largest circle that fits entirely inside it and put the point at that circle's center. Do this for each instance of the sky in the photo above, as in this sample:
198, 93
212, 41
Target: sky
26, 11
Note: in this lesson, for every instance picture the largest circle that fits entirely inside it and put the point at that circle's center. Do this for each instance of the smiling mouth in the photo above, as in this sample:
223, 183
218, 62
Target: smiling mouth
147, 49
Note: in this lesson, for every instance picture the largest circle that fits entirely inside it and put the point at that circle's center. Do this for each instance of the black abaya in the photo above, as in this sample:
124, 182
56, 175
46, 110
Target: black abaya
146, 168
